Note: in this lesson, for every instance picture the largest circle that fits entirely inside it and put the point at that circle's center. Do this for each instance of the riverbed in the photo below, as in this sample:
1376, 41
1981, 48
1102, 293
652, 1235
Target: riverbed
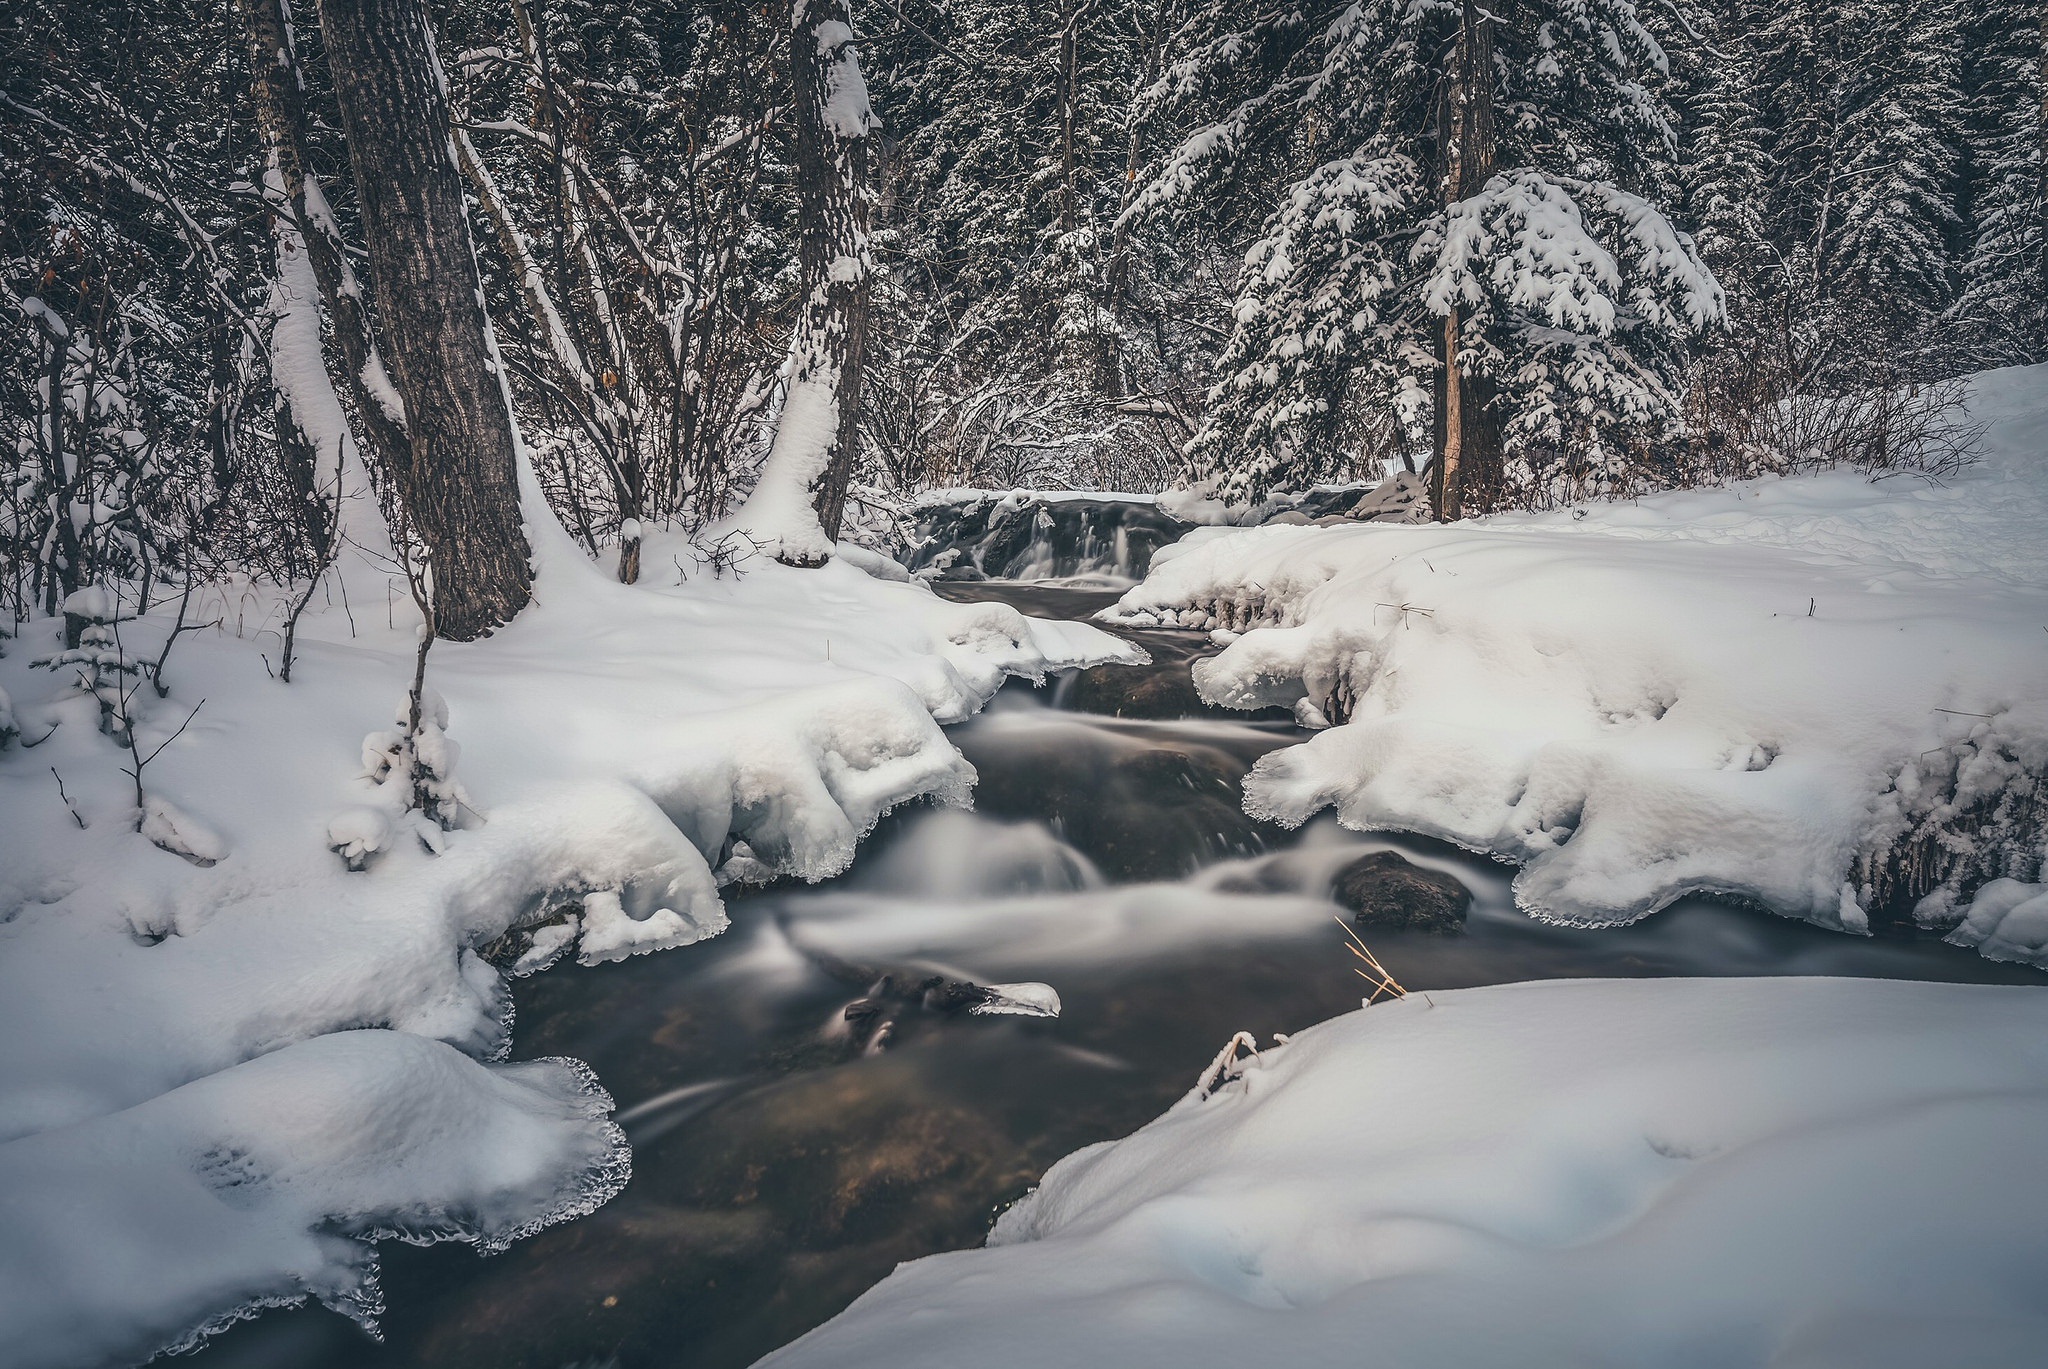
806, 1111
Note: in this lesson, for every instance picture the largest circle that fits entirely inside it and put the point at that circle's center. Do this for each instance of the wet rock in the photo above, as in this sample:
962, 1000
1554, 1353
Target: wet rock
1138, 807
1384, 890
1127, 692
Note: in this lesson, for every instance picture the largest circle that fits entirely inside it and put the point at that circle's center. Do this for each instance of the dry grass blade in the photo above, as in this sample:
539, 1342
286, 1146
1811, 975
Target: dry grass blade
1373, 972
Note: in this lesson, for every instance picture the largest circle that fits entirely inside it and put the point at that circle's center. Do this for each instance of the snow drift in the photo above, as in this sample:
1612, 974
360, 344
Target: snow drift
1827, 695
1697, 1173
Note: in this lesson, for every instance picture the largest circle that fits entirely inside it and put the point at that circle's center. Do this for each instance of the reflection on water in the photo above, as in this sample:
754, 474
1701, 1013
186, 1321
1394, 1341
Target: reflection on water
781, 1166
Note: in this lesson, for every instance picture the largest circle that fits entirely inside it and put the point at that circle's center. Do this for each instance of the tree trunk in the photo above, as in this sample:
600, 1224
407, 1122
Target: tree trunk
1466, 477
462, 489
281, 124
797, 507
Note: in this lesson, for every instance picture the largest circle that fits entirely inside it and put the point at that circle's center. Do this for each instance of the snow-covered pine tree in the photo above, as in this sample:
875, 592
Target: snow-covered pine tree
1529, 244
1856, 106
1019, 335
2003, 312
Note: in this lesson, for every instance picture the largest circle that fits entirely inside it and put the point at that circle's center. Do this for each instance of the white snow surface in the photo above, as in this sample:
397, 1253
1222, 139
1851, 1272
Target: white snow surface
1678, 1174
1762, 691
230, 1060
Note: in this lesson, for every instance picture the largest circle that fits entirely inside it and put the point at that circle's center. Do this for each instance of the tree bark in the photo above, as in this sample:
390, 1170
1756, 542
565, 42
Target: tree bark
798, 505
462, 489
832, 197
1466, 477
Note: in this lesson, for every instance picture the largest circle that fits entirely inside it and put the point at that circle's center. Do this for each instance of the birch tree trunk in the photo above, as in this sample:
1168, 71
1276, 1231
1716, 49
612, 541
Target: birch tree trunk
1466, 476
461, 491
796, 510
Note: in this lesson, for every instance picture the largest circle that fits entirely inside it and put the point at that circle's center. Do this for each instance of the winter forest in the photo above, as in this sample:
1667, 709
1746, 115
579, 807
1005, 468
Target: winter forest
1488, 558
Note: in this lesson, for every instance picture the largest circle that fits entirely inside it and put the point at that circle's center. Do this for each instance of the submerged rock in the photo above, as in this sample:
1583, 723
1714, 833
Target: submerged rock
1386, 890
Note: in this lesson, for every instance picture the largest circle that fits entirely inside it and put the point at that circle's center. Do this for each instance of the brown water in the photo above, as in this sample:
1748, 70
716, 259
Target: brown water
781, 1167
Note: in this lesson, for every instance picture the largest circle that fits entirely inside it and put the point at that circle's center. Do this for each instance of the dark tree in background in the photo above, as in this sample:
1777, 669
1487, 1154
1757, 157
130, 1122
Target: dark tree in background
460, 484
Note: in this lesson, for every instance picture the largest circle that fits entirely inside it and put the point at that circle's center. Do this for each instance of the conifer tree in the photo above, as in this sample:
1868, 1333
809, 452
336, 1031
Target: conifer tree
1468, 204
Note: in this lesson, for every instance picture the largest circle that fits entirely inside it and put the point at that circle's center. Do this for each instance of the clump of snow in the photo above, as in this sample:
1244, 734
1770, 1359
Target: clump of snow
171, 828
1714, 1173
2007, 920
357, 833
268, 1182
1827, 695
166, 1018
872, 562
94, 603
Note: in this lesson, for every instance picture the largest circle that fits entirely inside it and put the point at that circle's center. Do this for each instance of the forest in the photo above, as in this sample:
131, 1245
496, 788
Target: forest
892, 683
1085, 245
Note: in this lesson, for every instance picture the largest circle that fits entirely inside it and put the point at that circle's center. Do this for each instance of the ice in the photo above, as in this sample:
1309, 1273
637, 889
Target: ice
1019, 1000
609, 934
1826, 694
1710, 1173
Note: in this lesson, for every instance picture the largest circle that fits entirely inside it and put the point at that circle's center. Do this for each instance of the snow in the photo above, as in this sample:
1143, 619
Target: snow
175, 1015
269, 1180
298, 369
846, 109
1809, 693
1707, 1173
2007, 920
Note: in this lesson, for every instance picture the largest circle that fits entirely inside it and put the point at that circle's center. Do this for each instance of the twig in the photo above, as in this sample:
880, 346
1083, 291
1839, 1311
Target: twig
67, 800
1220, 1069
135, 752
156, 672
1379, 978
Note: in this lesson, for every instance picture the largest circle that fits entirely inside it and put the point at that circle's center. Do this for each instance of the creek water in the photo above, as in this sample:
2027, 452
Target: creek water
786, 1157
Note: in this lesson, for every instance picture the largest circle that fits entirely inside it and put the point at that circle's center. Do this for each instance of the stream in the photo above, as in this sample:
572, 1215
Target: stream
789, 1152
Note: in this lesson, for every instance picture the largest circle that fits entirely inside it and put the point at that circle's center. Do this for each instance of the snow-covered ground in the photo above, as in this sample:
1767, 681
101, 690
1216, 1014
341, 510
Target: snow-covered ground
232, 1063
1690, 1174
1825, 694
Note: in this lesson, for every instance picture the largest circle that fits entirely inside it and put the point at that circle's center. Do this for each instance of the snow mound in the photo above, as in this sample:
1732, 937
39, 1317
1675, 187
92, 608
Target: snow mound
267, 1183
1708, 1173
1827, 695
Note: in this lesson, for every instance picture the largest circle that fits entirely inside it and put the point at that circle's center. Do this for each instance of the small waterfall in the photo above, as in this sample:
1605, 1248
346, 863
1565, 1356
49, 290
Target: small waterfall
977, 535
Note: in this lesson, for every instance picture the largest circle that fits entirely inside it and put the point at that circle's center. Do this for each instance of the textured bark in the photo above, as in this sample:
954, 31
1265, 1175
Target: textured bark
832, 202
281, 124
1466, 477
462, 489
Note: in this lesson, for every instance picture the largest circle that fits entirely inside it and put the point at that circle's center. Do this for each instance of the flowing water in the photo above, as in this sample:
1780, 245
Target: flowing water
788, 1153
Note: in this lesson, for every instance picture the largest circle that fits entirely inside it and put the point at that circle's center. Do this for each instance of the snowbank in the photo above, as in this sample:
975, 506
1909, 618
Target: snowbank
191, 1121
1698, 1173
1828, 695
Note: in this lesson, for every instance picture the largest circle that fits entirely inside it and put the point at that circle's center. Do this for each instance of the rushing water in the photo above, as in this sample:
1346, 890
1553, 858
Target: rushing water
785, 1159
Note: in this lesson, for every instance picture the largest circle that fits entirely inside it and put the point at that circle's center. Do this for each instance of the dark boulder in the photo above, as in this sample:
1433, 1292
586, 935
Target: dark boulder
1384, 890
